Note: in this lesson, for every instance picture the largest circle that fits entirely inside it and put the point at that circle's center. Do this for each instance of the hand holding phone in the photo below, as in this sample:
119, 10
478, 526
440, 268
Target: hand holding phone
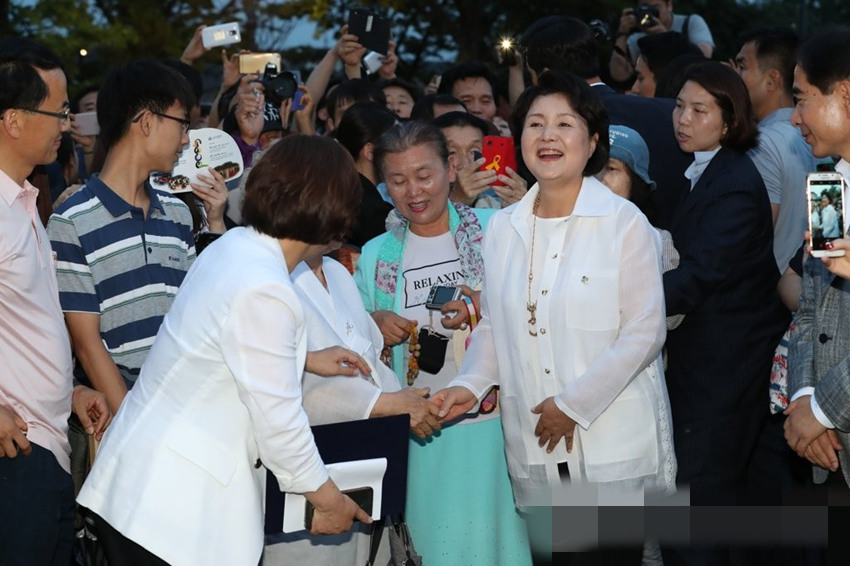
222, 34
500, 153
825, 194
372, 30
440, 295
85, 124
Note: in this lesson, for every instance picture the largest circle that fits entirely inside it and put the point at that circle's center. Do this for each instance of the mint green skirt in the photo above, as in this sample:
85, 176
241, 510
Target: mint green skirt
460, 507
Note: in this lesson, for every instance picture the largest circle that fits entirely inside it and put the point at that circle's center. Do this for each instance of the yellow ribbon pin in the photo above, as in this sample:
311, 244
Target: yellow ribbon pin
495, 164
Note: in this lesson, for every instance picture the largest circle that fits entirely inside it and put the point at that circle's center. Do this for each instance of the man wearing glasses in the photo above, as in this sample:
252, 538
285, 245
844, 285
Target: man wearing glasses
123, 247
36, 390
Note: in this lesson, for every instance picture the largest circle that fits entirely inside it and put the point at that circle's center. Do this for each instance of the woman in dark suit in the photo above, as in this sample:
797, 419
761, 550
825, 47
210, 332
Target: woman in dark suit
720, 356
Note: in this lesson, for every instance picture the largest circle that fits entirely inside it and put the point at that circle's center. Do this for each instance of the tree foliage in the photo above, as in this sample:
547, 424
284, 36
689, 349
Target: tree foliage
115, 31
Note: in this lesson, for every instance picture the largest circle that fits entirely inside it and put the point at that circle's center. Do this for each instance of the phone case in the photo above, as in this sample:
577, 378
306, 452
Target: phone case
222, 34
372, 30
500, 153
86, 123
432, 354
255, 63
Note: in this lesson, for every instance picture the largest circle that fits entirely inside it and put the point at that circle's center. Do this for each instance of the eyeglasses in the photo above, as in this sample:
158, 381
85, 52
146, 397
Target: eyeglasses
184, 123
63, 116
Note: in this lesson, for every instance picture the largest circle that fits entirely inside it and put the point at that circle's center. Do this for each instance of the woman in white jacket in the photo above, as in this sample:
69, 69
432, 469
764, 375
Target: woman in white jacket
573, 319
179, 477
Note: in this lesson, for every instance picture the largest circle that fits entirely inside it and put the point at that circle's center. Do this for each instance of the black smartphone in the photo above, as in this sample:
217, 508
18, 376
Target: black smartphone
362, 496
372, 30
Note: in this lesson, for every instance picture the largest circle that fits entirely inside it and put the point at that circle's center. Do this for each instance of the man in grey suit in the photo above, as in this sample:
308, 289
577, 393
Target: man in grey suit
819, 354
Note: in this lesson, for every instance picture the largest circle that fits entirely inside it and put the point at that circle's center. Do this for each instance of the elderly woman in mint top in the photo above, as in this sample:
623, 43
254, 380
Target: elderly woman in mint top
459, 505
573, 319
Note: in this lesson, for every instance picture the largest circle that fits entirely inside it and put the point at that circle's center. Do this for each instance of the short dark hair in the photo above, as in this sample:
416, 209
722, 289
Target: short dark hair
462, 120
363, 123
825, 58
776, 48
140, 85
467, 70
22, 86
424, 107
583, 101
355, 90
88, 89
304, 188
729, 91
193, 75
561, 43
406, 135
659, 49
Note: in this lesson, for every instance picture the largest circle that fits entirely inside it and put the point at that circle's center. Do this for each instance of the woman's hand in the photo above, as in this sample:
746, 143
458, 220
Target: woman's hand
553, 425
394, 328
461, 317
336, 361
304, 116
471, 182
91, 408
214, 197
333, 510
514, 187
453, 402
412, 401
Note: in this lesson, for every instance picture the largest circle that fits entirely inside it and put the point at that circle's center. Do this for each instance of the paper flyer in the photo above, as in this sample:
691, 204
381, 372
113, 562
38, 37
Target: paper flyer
208, 147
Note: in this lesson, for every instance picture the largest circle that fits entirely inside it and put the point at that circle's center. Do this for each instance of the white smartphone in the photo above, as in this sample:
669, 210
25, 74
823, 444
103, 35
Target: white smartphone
825, 194
86, 123
221, 34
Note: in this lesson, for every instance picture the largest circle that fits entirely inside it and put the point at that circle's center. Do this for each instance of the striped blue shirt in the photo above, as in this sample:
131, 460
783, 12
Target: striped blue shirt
113, 261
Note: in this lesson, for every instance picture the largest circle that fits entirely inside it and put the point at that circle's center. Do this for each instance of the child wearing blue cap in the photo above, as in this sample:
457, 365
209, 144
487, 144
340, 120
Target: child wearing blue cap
627, 175
627, 170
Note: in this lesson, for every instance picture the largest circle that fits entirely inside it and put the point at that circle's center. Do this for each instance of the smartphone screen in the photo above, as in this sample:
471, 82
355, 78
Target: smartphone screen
500, 153
826, 210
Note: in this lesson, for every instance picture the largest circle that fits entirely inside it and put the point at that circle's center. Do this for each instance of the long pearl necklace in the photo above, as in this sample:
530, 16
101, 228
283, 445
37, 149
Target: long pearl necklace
530, 306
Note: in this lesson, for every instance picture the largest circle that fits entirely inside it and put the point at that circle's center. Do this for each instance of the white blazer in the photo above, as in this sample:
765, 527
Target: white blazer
336, 317
220, 389
600, 326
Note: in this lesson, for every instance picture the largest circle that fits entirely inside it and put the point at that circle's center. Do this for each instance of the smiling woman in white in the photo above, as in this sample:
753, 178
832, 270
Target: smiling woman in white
178, 476
573, 315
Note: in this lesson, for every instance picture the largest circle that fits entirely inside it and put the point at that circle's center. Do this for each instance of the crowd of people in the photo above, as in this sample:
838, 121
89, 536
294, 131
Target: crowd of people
635, 309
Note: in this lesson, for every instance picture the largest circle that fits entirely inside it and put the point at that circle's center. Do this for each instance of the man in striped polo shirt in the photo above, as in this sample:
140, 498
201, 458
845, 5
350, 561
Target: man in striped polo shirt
123, 247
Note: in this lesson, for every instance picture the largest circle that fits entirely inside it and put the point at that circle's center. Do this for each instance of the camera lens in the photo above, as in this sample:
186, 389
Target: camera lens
280, 87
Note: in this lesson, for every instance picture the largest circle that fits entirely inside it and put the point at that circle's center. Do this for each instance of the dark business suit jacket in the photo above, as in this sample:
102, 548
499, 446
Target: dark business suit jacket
652, 118
719, 358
